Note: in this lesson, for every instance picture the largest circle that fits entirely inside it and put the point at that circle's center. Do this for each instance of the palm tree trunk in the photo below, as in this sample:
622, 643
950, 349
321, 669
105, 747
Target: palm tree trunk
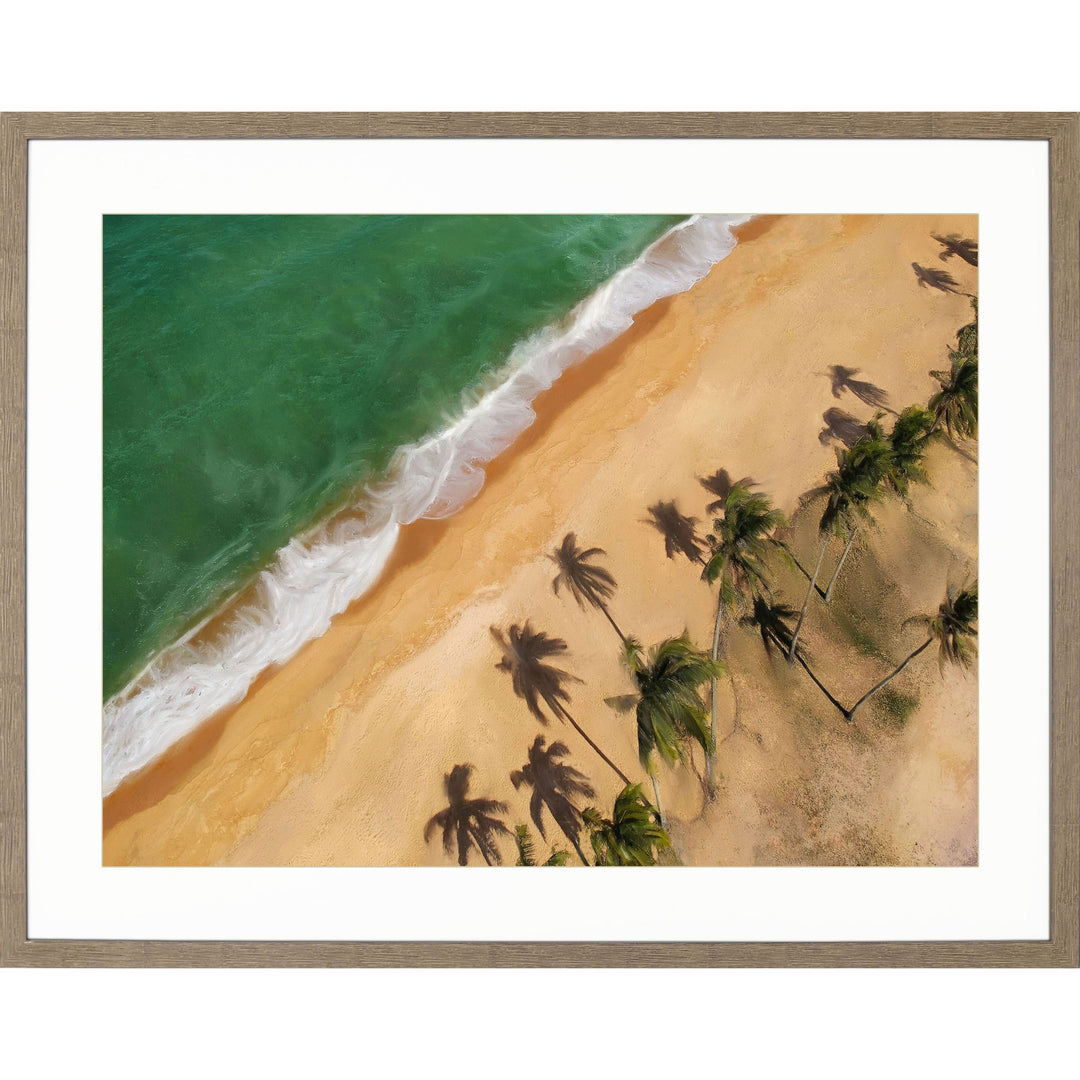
817, 682
581, 731
806, 602
802, 569
715, 656
622, 636
836, 572
849, 714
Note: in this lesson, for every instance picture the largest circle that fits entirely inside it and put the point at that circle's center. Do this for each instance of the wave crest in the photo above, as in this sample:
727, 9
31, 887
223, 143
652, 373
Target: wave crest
318, 574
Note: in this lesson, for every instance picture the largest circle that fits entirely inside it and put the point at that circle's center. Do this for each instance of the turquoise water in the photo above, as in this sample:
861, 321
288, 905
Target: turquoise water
258, 368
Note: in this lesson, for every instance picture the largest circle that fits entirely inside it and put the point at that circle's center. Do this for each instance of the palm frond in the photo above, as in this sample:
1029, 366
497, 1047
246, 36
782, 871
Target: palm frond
632, 836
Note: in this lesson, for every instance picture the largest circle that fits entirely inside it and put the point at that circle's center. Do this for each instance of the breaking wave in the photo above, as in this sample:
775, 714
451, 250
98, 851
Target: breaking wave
319, 573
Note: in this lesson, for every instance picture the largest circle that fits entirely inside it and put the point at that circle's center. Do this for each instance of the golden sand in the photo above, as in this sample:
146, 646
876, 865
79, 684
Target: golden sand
338, 757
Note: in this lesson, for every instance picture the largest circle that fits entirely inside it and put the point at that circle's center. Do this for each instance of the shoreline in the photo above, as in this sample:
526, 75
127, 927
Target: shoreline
146, 786
341, 557
302, 718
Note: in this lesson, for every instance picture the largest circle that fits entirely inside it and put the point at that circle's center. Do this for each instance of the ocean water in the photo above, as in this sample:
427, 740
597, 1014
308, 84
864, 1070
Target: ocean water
262, 372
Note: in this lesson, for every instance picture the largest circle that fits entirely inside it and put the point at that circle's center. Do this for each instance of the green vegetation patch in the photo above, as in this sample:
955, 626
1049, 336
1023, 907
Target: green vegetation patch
893, 709
855, 629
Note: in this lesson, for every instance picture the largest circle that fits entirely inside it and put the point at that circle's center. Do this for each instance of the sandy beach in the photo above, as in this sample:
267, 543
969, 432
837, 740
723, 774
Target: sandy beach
338, 757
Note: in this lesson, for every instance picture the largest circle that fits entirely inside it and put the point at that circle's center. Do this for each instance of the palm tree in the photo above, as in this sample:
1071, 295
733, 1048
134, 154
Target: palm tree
956, 404
872, 458
954, 244
527, 850
737, 561
897, 456
851, 487
469, 821
720, 485
587, 583
632, 836
678, 530
967, 337
953, 628
910, 437
525, 654
772, 620
553, 784
668, 705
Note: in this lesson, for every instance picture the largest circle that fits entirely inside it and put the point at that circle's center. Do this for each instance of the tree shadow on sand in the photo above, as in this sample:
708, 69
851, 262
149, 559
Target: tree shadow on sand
773, 619
525, 653
840, 426
941, 280
469, 822
553, 784
954, 244
866, 392
525, 658
678, 530
720, 485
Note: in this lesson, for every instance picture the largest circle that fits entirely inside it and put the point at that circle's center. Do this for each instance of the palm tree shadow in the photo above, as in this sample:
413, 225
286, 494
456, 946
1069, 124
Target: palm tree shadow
954, 244
678, 530
588, 583
841, 426
468, 822
720, 485
524, 655
554, 784
941, 280
866, 392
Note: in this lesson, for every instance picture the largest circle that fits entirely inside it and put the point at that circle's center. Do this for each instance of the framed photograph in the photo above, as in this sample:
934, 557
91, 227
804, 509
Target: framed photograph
399, 503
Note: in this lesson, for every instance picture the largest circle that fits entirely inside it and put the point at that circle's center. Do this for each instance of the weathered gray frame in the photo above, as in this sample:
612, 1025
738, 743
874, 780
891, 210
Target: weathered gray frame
1059, 130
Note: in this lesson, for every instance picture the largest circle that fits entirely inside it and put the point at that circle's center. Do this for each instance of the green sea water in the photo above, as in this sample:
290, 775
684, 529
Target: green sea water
258, 367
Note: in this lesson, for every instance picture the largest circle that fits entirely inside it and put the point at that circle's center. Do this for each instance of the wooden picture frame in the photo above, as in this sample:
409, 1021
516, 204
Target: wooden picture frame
1061, 133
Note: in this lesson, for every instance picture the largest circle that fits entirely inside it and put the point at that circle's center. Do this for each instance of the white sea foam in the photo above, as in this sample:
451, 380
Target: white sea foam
317, 575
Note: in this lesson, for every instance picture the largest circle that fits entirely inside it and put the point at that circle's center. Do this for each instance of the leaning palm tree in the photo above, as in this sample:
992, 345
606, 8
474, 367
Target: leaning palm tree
525, 654
967, 337
553, 785
956, 404
898, 456
668, 705
871, 457
742, 539
632, 836
527, 850
851, 488
468, 821
587, 583
911, 435
772, 620
953, 628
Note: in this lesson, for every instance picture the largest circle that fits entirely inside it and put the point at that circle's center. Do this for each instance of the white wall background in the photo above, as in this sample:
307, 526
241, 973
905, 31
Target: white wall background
560, 56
